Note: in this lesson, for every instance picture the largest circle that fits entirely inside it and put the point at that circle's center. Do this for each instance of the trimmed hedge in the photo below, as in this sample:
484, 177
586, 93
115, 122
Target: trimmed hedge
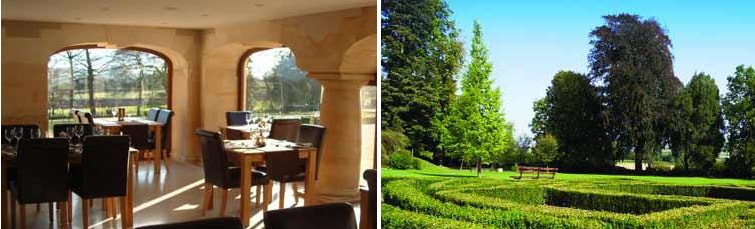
620, 203
718, 192
506, 204
394, 217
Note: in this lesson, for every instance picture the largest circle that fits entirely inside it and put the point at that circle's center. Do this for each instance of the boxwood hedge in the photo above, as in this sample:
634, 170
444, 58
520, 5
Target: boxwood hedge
554, 204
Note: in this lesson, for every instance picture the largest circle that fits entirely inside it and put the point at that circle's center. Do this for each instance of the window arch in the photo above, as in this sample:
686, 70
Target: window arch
98, 80
270, 83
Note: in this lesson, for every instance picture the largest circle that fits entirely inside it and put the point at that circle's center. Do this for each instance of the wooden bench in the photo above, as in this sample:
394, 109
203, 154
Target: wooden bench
537, 171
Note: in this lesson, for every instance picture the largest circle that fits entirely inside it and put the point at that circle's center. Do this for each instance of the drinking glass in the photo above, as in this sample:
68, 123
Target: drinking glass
113, 112
248, 118
69, 134
8, 134
78, 131
18, 134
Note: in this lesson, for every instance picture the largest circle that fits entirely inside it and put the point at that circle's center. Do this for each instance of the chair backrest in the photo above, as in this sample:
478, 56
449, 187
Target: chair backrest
42, 166
58, 128
164, 117
371, 176
104, 166
333, 216
152, 114
82, 117
285, 129
312, 134
138, 133
75, 114
27, 131
89, 117
214, 159
282, 166
236, 118
218, 222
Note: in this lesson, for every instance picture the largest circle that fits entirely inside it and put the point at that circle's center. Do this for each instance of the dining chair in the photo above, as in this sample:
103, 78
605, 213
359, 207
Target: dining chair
40, 176
139, 140
218, 173
236, 118
370, 219
83, 117
285, 129
152, 114
284, 167
59, 130
27, 131
164, 116
215, 223
331, 216
312, 134
102, 172
75, 115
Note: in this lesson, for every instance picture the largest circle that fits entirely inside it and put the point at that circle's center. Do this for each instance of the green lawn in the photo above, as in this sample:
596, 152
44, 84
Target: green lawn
430, 170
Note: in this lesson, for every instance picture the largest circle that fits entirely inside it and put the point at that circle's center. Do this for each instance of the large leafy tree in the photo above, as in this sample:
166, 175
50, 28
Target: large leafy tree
739, 109
632, 58
421, 55
698, 131
573, 113
476, 126
546, 149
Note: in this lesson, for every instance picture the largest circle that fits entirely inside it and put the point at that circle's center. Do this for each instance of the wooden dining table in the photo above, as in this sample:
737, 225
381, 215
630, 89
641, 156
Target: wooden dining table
114, 127
126, 203
249, 155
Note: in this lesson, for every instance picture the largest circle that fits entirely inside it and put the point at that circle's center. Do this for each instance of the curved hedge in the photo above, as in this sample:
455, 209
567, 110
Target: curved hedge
474, 203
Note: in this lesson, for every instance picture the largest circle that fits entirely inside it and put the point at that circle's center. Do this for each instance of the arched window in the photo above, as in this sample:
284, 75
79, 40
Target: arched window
98, 80
275, 86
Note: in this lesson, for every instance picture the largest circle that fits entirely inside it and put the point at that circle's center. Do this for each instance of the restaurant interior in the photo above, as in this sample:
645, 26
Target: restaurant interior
189, 114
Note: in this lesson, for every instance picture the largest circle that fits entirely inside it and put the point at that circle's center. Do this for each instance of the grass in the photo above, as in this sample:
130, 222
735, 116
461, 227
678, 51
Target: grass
431, 170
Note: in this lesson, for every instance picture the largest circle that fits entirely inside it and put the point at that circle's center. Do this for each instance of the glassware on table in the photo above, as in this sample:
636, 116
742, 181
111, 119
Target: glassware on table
18, 134
33, 133
113, 112
8, 134
78, 131
69, 134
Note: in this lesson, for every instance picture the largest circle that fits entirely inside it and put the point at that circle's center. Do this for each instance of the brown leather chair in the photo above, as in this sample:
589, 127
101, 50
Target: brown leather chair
285, 129
312, 134
369, 220
284, 167
41, 175
218, 172
330, 216
139, 140
102, 172
236, 118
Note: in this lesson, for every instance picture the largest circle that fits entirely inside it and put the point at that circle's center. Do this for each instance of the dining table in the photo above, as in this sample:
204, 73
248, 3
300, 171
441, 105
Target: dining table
126, 203
250, 154
112, 126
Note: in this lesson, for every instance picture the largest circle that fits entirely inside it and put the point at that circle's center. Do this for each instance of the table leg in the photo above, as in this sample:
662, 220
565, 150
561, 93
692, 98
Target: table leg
5, 197
309, 182
246, 185
158, 148
127, 202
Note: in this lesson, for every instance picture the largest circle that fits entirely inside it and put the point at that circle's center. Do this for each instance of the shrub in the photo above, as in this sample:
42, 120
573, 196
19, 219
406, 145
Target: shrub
393, 217
403, 160
391, 142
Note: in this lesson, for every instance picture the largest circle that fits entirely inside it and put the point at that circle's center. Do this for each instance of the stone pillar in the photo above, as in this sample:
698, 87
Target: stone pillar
340, 113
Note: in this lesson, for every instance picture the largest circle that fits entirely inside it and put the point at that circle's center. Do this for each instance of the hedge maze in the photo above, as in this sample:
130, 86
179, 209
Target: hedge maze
487, 203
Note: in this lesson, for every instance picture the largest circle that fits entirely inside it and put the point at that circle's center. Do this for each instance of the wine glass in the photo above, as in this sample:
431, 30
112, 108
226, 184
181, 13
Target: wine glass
33, 133
69, 134
18, 134
8, 134
78, 131
248, 118
113, 112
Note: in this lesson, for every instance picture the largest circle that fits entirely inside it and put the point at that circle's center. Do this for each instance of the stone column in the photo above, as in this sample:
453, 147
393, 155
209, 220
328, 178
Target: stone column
340, 113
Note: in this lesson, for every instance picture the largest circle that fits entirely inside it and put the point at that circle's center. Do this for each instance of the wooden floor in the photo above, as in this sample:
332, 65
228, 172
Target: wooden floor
174, 195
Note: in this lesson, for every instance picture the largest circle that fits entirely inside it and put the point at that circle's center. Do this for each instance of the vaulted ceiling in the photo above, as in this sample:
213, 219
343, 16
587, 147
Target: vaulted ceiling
196, 14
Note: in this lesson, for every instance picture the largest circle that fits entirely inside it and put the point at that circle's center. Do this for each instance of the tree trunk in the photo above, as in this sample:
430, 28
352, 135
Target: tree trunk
73, 80
461, 166
141, 96
479, 168
90, 83
639, 153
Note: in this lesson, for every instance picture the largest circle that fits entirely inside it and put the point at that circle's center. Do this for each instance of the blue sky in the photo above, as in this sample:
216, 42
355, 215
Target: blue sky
530, 41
